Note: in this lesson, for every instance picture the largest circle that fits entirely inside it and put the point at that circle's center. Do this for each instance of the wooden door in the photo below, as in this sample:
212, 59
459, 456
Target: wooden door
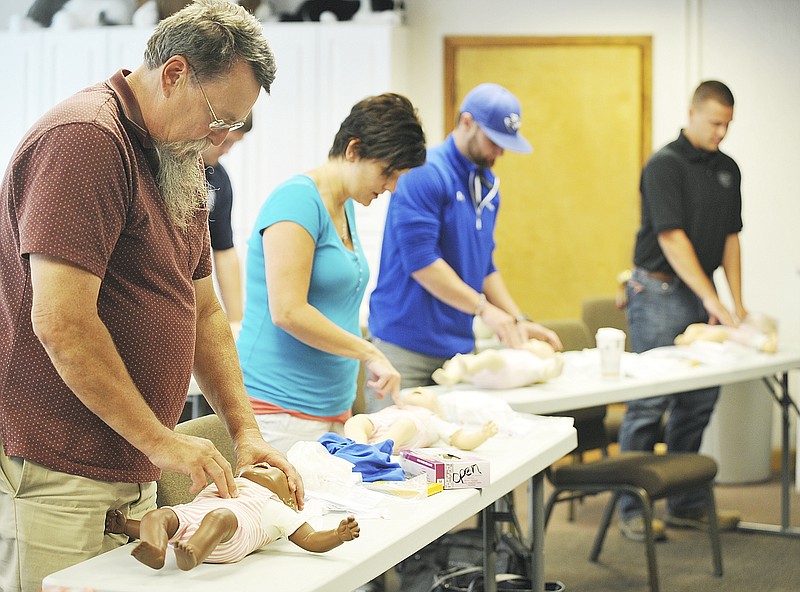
570, 209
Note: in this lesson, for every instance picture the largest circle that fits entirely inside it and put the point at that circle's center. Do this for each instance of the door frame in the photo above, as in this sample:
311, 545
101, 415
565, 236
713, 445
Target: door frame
452, 44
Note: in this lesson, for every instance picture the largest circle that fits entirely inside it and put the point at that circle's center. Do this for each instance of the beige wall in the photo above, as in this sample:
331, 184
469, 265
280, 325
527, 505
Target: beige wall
751, 46
570, 209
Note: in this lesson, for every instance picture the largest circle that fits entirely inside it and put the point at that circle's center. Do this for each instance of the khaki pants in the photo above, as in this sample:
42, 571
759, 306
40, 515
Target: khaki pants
282, 430
50, 520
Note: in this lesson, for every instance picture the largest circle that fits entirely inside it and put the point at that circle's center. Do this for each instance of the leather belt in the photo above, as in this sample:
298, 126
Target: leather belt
661, 276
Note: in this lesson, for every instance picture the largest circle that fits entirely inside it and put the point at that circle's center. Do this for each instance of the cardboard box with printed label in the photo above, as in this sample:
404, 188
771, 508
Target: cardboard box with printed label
450, 467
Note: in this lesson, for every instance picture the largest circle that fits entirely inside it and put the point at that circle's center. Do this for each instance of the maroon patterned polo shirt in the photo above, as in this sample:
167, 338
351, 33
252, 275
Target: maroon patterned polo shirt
80, 187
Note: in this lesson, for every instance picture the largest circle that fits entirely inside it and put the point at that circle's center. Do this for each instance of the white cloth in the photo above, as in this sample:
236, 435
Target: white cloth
430, 427
475, 408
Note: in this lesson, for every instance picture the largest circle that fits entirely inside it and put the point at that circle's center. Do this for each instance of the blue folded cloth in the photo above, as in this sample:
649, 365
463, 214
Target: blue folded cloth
373, 461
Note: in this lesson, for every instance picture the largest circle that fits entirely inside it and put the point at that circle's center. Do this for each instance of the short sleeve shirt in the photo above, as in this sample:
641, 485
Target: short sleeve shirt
693, 190
220, 206
278, 368
81, 188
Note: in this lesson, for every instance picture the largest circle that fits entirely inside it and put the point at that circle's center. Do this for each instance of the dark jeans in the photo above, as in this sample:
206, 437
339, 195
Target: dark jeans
657, 313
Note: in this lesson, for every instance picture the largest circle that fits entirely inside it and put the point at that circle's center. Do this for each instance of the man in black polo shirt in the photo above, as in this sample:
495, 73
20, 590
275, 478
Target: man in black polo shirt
691, 219
227, 270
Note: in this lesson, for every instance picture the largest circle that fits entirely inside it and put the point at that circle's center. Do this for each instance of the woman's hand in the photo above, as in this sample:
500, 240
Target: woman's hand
381, 375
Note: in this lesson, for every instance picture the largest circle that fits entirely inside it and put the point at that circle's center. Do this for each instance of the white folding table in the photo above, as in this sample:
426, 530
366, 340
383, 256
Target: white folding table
570, 392
383, 542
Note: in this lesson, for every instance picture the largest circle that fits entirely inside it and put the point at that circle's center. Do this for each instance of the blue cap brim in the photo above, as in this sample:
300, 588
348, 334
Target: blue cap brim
513, 142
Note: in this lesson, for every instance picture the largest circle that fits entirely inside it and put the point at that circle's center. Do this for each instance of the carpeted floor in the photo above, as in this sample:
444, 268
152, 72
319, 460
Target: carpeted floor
757, 562
761, 562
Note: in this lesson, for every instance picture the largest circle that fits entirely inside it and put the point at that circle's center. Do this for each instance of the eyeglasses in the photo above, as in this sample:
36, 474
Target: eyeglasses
217, 124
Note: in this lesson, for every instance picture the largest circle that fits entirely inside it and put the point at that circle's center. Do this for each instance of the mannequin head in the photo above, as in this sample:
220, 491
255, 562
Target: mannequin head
273, 479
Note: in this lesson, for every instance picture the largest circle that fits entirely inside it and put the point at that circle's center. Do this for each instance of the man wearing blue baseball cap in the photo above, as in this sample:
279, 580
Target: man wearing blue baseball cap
437, 271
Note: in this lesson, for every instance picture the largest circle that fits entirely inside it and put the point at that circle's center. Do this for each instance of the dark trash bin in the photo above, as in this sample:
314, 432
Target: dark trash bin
470, 579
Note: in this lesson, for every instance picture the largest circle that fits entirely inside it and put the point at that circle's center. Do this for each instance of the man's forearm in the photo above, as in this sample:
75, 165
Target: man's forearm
217, 371
89, 364
228, 273
498, 294
64, 318
444, 284
732, 265
683, 259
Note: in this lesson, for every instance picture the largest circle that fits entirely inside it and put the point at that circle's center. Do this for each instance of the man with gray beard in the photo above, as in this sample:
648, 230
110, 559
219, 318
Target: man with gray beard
106, 300
181, 181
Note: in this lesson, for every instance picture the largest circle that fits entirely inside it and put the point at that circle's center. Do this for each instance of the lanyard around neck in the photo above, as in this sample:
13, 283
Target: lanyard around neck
477, 182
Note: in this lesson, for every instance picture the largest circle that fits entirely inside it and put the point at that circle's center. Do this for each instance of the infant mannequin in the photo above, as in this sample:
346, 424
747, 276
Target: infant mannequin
756, 331
535, 361
415, 423
212, 529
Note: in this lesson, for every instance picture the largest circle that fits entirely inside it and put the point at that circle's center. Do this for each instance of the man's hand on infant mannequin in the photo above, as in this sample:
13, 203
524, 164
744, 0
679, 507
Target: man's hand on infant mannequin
535, 331
745, 334
535, 361
503, 325
251, 449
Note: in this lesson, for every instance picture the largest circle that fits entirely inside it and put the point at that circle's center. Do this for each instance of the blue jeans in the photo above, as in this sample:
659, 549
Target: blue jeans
657, 313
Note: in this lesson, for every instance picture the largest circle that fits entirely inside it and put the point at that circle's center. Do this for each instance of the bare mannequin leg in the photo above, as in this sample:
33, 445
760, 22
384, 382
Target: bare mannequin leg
462, 366
218, 526
489, 359
401, 432
155, 529
359, 428
452, 372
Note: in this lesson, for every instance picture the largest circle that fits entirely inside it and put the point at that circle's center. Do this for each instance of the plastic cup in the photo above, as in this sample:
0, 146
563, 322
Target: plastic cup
610, 344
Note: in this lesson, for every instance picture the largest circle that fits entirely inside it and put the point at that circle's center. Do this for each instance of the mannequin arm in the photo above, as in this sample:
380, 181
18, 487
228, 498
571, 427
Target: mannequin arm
470, 440
117, 523
325, 540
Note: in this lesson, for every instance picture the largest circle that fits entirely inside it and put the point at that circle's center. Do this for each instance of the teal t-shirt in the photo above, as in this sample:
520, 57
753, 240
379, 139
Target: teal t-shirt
277, 367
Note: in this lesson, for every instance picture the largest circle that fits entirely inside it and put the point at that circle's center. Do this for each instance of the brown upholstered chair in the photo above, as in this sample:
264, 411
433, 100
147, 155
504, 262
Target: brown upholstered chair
589, 422
647, 476
602, 311
173, 488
